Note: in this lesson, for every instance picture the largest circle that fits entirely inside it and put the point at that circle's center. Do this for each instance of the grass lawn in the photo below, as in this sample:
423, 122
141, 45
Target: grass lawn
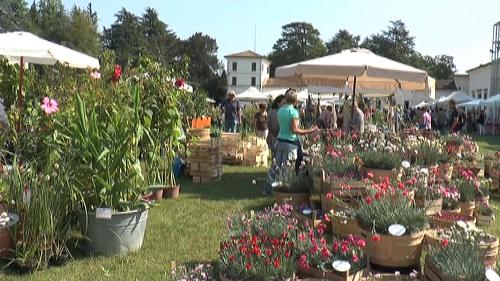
189, 229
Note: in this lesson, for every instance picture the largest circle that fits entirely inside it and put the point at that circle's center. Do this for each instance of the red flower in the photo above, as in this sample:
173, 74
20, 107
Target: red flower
401, 185
329, 196
376, 238
243, 249
269, 252
256, 250
117, 73
326, 217
345, 248
335, 246
232, 258
276, 263
288, 254
248, 266
370, 175
368, 200
325, 253
302, 237
377, 196
179, 83
303, 262
321, 228
445, 242
361, 243
355, 258
314, 249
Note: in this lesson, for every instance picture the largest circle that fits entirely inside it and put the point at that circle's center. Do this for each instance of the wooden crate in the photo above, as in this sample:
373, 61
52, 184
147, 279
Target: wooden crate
232, 149
205, 161
255, 153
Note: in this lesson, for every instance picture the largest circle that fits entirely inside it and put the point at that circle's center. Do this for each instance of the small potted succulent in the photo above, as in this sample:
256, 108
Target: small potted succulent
292, 187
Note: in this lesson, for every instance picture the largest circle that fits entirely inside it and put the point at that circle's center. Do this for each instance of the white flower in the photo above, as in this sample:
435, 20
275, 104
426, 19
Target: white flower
405, 164
462, 224
277, 184
424, 171
254, 182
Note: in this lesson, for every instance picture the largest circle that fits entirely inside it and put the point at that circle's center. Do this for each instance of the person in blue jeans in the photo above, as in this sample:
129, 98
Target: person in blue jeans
288, 147
232, 112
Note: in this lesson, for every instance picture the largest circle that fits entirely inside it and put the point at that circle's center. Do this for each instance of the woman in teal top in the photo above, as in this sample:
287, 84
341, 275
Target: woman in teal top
287, 145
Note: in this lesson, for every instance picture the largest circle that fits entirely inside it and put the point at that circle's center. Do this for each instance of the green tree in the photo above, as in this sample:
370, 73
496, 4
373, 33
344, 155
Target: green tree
82, 32
441, 67
161, 43
202, 53
14, 15
341, 41
217, 86
125, 37
52, 21
299, 41
394, 43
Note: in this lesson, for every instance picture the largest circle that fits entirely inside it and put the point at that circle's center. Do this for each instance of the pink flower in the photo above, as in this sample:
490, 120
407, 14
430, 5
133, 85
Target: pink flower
49, 106
95, 74
376, 238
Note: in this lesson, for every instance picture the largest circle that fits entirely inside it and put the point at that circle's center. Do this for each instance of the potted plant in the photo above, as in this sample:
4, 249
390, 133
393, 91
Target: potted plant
344, 223
379, 164
292, 187
447, 263
261, 247
104, 145
467, 186
342, 260
376, 216
451, 196
162, 101
484, 213
428, 194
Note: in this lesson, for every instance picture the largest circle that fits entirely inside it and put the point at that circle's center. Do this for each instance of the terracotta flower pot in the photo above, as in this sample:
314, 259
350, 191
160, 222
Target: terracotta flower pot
393, 251
467, 208
294, 199
171, 192
157, 191
201, 134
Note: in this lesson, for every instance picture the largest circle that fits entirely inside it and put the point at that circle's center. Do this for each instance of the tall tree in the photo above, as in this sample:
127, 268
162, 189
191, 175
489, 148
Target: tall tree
82, 32
299, 41
161, 43
202, 52
14, 15
125, 37
52, 20
441, 67
341, 41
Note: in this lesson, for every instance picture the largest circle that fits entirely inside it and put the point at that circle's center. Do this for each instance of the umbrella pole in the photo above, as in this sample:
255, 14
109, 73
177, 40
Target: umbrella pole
20, 99
353, 97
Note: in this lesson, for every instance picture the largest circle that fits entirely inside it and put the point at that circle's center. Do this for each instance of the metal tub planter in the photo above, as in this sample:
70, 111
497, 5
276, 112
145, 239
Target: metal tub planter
118, 235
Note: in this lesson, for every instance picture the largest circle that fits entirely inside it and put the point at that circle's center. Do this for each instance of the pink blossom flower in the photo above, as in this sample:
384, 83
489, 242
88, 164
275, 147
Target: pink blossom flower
49, 106
95, 74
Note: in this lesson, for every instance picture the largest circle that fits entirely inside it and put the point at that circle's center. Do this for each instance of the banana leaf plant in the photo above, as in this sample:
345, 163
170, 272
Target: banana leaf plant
104, 144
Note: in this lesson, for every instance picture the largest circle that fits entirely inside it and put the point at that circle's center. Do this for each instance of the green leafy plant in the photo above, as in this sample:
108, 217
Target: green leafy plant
291, 181
380, 160
428, 155
378, 215
103, 142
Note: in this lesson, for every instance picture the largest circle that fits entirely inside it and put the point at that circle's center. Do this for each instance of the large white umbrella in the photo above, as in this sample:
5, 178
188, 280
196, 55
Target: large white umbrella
356, 68
24, 47
494, 102
471, 104
252, 94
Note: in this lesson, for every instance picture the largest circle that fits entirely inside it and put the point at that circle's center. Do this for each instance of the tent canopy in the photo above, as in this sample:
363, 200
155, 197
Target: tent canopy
252, 95
33, 49
492, 101
371, 72
422, 104
458, 96
470, 104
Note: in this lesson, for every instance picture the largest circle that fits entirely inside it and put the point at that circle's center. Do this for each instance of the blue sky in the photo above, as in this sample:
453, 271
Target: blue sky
461, 28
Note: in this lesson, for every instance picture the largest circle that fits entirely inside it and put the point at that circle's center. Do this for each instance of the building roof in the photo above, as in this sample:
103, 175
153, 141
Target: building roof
462, 75
445, 84
478, 67
246, 54
282, 83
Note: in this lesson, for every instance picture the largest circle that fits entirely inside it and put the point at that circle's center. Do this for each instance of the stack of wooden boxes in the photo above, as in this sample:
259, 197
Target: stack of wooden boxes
205, 161
232, 148
255, 153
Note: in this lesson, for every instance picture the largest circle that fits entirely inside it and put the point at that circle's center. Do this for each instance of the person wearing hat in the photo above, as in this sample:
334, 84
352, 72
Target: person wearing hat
288, 148
232, 113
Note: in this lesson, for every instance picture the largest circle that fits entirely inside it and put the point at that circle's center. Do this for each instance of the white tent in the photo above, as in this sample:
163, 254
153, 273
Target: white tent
458, 96
422, 104
33, 49
471, 104
492, 101
24, 47
252, 95
358, 67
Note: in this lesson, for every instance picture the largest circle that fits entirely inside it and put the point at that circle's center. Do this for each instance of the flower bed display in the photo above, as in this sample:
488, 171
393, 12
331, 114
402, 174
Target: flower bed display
448, 219
344, 224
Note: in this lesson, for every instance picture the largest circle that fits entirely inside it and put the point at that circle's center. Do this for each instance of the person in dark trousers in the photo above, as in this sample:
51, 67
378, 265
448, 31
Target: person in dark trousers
272, 122
232, 113
454, 116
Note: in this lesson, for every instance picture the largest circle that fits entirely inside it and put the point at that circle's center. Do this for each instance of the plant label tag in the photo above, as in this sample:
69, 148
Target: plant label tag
103, 213
26, 195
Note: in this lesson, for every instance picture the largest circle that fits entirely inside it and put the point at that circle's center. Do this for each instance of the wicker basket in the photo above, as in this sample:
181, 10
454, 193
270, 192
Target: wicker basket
393, 251
444, 222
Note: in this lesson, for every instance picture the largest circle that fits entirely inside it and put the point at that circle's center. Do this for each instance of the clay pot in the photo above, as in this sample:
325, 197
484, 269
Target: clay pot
171, 192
